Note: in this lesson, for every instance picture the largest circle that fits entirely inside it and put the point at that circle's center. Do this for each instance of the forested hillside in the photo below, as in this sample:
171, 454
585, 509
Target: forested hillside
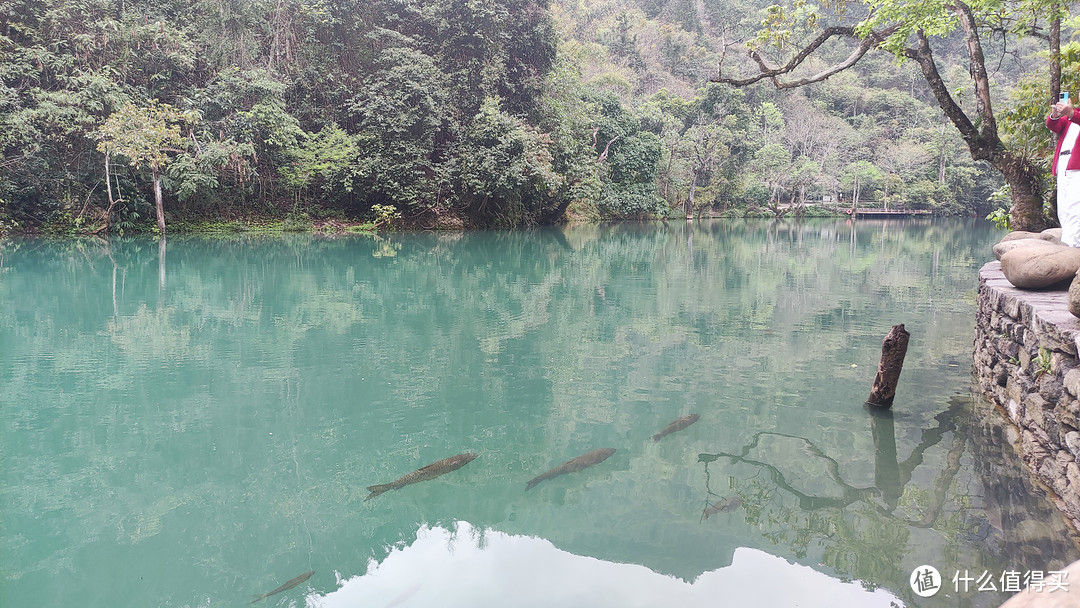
873, 132
118, 116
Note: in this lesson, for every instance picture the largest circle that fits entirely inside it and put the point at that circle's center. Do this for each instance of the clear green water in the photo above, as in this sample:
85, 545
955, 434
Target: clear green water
195, 428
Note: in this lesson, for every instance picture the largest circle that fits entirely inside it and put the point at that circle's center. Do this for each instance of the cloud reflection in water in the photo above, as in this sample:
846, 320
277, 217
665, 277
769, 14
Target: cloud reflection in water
481, 568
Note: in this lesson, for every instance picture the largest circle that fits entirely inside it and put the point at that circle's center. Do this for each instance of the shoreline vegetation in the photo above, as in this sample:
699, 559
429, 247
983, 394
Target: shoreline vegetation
343, 226
125, 118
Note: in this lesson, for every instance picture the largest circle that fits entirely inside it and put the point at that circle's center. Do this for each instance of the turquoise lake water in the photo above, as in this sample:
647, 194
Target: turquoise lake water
195, 425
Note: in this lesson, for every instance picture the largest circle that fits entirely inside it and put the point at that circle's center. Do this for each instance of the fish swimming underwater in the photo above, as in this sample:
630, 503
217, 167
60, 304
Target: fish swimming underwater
724, 506
573, 466
289, 585
431, 471
676, 425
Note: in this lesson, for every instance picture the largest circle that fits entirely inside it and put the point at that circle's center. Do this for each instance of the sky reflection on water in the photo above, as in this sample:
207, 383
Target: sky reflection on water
467, 566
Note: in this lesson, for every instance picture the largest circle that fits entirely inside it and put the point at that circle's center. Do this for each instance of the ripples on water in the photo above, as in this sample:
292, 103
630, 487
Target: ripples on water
195, 437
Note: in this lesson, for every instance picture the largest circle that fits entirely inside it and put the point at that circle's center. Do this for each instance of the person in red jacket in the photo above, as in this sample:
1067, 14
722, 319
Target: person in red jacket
1065, 121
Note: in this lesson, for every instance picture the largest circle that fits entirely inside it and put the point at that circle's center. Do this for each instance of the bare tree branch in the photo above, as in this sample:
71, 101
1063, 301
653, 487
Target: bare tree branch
872, 40
603, 155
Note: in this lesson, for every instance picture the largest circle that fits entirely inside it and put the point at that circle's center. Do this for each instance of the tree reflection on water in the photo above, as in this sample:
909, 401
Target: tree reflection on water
867, 530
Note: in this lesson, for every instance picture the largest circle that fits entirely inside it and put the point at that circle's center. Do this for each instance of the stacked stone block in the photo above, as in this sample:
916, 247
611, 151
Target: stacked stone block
1026, 361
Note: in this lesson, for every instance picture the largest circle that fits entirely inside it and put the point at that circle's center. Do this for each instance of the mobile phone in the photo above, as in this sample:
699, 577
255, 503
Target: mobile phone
1063, 96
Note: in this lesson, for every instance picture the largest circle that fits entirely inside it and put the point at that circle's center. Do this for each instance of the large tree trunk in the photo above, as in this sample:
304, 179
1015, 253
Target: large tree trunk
1055, 53
159, 207
1027, 197
982, 137
1055, 81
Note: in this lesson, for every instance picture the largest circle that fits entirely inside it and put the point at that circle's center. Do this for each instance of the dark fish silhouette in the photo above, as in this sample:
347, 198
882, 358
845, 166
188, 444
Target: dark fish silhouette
573, 466
404, 597
724, 506
676, 425
289, 585
431, 471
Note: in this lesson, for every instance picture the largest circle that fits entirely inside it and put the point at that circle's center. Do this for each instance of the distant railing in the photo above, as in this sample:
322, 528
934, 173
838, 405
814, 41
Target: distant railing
865, 208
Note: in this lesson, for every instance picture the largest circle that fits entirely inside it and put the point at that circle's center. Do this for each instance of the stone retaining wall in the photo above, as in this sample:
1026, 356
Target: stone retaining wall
1026, 345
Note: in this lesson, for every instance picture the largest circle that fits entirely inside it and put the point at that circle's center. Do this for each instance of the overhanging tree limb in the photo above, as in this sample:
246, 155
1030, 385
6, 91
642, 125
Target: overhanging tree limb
925, 58
888, 27
870, 41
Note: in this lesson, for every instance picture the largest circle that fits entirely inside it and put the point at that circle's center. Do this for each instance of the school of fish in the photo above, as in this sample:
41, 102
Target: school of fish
574, 465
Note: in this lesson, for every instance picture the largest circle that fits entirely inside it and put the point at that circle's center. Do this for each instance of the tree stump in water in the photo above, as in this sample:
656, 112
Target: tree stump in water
893, 350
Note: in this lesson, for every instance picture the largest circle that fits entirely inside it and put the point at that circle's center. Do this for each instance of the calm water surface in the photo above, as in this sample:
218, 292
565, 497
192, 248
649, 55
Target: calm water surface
193, 426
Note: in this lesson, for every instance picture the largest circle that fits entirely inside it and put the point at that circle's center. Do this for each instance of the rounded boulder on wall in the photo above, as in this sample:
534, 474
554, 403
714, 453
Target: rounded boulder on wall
1006, 245
1040, 266
1074, 295
1052, 235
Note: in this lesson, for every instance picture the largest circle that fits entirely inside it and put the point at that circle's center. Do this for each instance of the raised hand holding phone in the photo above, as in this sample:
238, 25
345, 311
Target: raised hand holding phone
1063, 107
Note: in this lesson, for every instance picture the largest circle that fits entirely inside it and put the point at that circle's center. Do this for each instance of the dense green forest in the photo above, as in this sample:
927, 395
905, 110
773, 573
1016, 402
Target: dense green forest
119, 117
